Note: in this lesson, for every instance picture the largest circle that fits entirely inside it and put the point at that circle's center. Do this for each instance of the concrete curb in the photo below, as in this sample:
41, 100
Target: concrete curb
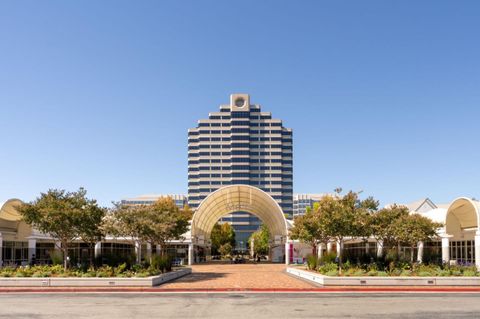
94, 282
244, 290
384, 281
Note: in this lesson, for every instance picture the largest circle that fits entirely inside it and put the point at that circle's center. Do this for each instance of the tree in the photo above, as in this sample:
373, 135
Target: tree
310, 228
155, 224
64, 216
169, 221
346, 216
383, 224
89, 227
225, 249
222, 234
260, 240
412, 228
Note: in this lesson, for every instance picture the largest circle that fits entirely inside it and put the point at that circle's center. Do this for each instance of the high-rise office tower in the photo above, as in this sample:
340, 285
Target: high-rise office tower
240, 144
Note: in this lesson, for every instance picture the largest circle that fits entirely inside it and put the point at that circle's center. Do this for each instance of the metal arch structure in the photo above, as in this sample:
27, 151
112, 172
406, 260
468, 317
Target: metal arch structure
229, 199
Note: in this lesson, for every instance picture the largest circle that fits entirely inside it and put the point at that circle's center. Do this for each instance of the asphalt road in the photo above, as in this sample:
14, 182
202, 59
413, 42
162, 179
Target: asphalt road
239, 305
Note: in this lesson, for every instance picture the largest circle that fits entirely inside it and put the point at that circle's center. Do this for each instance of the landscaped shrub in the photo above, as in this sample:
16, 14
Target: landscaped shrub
470, 273
56, 257
312, 262
115, 259
327, 268
354, 271
328, 258
161, 263
58, 271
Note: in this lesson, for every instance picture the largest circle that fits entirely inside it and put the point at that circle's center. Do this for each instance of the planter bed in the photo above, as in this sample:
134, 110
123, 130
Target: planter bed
94, 281
383, 281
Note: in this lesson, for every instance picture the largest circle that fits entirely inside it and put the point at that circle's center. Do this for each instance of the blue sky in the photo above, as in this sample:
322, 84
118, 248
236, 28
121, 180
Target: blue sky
383, 96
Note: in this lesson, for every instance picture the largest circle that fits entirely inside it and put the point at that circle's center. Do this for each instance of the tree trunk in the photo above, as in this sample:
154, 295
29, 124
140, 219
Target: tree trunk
340, 255
65, 255
91, 253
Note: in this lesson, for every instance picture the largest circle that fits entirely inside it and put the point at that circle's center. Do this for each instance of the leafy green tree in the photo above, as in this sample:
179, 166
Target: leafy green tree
155, 224
412, 228
222, 234
260, 240
384, 225
225, 249
89, 227
346, 216
64, 216
310, 228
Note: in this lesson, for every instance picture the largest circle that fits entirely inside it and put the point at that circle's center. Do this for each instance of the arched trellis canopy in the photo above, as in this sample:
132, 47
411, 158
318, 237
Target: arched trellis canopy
8, 210
9, 216
233, 198
463, 213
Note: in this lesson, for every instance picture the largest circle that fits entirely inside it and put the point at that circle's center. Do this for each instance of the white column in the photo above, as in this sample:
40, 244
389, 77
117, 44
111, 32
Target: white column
477, 249
149, 252
138, 251
98, 249
329, 247
319, 251
32, 248
445, 249
367, 247
379, 248
287, 253
190, 254
419, 252
339, 248
1, 250
252, 248
158, 248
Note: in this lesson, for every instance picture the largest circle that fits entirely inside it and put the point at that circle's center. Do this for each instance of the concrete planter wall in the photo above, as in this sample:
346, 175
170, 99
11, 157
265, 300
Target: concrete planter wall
94, 282
384, 281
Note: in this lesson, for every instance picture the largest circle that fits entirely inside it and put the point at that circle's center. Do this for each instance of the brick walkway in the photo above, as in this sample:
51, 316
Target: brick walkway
239, 276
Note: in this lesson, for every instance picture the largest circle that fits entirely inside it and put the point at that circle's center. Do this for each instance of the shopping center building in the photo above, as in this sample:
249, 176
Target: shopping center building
240, 171
458, 241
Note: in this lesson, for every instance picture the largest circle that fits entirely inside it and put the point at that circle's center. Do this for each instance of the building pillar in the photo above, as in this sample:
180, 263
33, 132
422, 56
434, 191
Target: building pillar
158, 249
379, 248
339, 248
367, 247
287, 253
149, 251
138, 251
252, 248
1, 250
445, 249
329, 247
98, 249
32, 249
419, 252
477, 249
190, 254
319, 251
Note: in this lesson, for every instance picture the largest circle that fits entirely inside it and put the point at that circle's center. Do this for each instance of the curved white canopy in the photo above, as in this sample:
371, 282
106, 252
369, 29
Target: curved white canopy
233, 198
8, 211
466, 211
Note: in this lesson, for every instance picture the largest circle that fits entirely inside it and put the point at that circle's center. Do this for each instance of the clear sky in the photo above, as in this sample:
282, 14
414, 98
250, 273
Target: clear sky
383, 96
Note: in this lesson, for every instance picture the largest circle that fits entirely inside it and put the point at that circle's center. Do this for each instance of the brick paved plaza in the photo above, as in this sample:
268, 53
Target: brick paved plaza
215, 276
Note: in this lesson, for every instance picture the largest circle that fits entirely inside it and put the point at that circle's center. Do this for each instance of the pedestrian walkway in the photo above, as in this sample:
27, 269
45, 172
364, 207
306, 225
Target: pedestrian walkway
238, 276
